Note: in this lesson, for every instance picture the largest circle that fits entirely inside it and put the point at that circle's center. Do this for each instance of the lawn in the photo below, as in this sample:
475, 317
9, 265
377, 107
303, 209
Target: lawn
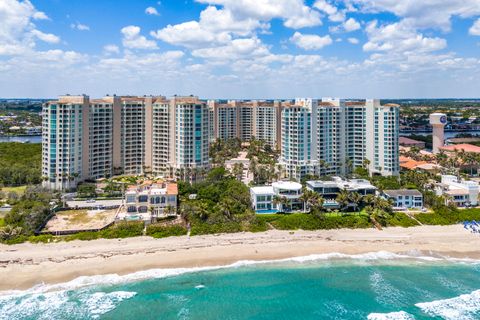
2, 222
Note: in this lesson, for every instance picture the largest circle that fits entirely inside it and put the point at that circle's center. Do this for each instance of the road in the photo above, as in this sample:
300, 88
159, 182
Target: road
85, 204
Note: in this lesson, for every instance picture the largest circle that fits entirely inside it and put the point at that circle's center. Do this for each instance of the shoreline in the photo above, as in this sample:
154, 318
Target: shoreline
25, 265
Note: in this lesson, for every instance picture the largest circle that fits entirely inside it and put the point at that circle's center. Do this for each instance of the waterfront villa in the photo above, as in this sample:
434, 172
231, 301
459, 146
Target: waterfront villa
281, 196
462, 193
151, 199
331, 188
404, 199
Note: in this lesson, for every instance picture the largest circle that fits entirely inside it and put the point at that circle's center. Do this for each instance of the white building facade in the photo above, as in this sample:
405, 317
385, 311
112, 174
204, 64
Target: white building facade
342, 136
462, 193
266, 199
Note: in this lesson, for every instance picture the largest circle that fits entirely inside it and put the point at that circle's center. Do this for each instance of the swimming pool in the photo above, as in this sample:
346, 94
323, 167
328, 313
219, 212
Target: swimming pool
133, 218
272, 211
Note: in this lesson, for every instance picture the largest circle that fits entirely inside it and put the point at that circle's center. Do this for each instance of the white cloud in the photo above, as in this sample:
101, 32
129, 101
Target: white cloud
132, 39
353, 40
221, 20
294, 13
425, 13
39, 15
111, 48
46, 37
18, 33
332, 11
190, 34
151, 11
235, 49
216, 26
475, 29
351, 25
80, 26
400, 37
310, 41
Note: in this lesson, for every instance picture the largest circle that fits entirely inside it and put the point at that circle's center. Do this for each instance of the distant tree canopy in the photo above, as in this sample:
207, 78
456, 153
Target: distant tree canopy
20, 163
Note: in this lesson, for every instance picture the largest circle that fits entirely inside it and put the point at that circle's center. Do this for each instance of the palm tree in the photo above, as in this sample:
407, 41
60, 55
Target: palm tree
349, 165
306, 198
169, 210
323, 165
276, 200
355, 198
316, 202
369, 199
343, 199
366, 165
282, 201
441, 158
237, 170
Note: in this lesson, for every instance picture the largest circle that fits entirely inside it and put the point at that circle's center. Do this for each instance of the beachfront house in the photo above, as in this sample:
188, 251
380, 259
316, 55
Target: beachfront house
151, 199
461, 192
281, 196
330, 189
404, 199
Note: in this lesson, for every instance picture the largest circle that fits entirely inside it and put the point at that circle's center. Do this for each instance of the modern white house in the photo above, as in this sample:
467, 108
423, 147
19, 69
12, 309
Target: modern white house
404, 199
331, 188
263, 197
462, 193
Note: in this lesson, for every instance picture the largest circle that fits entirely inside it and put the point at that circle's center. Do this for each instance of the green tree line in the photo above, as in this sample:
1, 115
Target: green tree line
20, 163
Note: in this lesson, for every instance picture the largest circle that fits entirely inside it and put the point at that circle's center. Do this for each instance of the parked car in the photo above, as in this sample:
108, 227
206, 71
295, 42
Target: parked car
91, 201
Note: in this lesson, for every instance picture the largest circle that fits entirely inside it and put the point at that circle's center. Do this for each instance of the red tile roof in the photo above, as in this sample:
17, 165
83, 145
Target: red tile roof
464, 146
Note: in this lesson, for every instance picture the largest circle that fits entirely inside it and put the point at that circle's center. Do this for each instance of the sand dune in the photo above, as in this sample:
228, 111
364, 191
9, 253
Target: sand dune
25, 265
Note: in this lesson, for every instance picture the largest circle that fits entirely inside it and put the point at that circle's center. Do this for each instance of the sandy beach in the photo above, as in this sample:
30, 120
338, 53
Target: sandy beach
25, 265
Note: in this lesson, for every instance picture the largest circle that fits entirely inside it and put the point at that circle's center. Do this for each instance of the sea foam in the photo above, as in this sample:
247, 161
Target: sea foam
114, 279
50, 305
400, 315
465, 307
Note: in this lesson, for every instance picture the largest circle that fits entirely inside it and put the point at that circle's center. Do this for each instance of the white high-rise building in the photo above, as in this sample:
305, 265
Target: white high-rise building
90, 139
341, 135
64, 132
296, 156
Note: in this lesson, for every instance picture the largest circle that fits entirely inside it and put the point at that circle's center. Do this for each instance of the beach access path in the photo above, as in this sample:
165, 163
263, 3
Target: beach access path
25, 265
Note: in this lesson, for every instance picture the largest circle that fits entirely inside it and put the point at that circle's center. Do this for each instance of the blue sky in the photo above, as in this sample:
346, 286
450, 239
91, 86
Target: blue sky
241, 48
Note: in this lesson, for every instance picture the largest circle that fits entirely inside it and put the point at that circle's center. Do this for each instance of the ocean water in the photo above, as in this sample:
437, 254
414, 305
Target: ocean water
333, 286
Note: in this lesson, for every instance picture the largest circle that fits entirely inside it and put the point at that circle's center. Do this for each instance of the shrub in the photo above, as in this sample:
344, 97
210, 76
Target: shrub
43, 238
258, 225
448, 216
400, 219
200, 228
118, 230
310, 222
157, 231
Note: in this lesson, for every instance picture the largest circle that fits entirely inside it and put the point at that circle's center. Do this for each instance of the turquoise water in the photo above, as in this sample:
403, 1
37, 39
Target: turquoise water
372, 286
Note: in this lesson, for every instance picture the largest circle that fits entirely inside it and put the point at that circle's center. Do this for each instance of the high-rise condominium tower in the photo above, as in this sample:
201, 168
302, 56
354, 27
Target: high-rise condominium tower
246, 119
334, 137
90, 139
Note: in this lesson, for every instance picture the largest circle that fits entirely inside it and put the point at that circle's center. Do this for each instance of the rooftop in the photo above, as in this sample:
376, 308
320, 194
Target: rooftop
351, 184
405, 140
288, 185
402, 192
262, 190
463, 146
